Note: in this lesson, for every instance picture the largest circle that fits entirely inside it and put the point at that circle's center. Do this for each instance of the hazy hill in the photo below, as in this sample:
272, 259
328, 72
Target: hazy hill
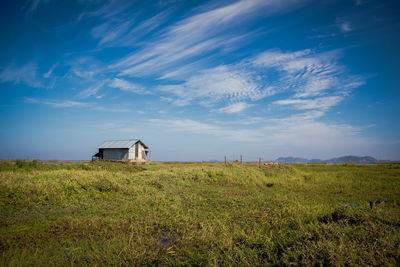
291, 159
353, 159
339, 159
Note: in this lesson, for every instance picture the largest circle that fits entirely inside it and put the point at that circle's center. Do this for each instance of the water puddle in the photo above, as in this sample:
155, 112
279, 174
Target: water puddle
166, 241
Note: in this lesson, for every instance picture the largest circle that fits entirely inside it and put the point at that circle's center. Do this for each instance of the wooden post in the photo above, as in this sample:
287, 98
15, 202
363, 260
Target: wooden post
225, 160
241, 159
259, 162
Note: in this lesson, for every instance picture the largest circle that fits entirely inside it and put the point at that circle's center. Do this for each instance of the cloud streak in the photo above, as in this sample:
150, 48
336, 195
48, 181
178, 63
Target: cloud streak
296, 133
195, 127
234, 108
74, 104
213, 85
196, 35
322, 103
128, 86
58, 104
26, 74
318, 81
92, 90
34, 5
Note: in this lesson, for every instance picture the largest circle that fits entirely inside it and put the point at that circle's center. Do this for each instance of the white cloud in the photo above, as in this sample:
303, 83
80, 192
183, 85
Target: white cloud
157, 63
198, 34
322, 103
91, 91
86, 67
66, 104
318, 80
315, 135
87, 74
191, 126
211, 85
26, 74
111, 109
181, 73
50, 71
58, 104
307, 133
128, 86
346, 27
301, 133
144, 28
234, 108
277, 59
113, 9
121, 27
34, 4
109, 32
74, 104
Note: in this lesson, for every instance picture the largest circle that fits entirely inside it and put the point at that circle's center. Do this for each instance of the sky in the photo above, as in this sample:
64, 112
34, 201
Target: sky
198, 80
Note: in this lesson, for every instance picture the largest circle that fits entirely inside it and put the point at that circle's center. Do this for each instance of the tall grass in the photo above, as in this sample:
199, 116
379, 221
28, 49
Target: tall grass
198, 214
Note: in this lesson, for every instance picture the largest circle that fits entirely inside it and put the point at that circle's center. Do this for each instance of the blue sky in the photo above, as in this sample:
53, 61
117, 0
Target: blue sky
197, 80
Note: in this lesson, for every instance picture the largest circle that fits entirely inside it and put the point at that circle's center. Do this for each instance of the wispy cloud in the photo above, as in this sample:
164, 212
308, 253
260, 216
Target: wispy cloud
186, 70
26, 74
92, 90
50, 71
234, 108
110, 31
301, 132
87, 68
306, 131
306, 72
195, 127
33, 5
317, 80
196, 35
212, 85
128, 86
346, 27
322, 103
58, 104
111, 109
126, 31
155, 63
75, 104
112, 9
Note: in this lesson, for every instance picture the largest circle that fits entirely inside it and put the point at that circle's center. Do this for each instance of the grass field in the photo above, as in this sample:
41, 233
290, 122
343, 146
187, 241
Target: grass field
198, 214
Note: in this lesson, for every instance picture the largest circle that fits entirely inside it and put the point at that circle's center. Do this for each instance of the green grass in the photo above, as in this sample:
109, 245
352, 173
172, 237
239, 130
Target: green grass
198, 214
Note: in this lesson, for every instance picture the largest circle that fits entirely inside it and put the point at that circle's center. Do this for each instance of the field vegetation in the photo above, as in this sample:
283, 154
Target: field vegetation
104, 213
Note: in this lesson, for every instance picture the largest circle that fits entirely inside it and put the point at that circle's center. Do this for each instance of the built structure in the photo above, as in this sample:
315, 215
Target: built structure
132, 150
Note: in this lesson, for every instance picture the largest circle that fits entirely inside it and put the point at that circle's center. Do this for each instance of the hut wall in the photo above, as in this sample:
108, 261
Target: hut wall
116, 153
132, 152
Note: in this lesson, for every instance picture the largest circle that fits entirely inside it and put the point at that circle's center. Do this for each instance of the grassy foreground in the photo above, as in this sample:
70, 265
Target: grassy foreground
198, 214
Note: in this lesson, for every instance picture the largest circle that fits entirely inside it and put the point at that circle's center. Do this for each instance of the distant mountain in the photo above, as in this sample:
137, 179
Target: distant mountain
315, 160
291, 160
339, 159
353, 159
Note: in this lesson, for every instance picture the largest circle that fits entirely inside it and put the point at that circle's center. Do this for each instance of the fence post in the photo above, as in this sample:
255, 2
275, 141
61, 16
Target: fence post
241, 159
225, 160
259, 162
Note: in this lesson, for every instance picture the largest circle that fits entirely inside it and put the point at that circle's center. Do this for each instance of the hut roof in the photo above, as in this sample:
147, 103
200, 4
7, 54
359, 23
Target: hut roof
120, 143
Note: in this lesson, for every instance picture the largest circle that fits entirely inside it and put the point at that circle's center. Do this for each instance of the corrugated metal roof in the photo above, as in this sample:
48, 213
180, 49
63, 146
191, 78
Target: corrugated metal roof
118, 143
